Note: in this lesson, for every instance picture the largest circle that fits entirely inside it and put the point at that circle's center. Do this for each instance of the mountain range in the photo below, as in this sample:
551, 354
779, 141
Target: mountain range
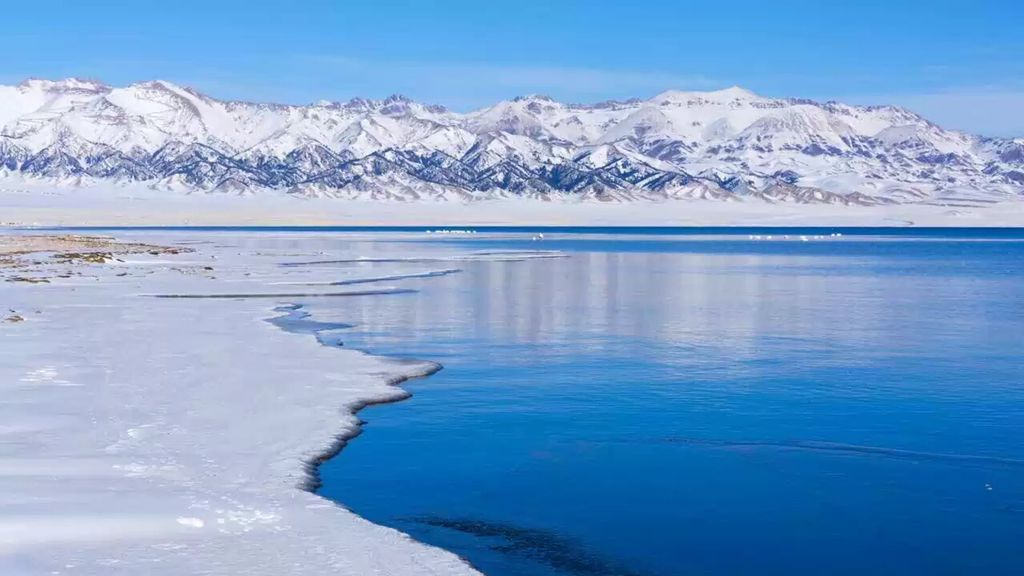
725, 145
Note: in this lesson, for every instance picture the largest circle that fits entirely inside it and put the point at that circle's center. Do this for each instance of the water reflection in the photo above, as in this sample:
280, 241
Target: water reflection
739, 306
708, 407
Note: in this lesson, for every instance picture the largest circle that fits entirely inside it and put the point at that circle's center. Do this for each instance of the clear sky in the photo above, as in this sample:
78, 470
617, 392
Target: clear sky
960, 63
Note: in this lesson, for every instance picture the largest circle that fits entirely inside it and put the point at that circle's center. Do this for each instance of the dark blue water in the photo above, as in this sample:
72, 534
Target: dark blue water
662, 405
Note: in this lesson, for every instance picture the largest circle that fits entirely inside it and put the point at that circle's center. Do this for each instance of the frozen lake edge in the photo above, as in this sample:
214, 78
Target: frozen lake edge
119, 457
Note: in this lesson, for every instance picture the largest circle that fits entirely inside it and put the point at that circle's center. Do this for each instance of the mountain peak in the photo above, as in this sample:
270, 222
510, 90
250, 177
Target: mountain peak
395, 104
64, 85
162, 85
736, 92
533, 98
724, 94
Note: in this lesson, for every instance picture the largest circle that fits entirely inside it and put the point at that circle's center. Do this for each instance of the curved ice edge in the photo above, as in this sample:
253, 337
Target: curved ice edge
311, 481
415, 369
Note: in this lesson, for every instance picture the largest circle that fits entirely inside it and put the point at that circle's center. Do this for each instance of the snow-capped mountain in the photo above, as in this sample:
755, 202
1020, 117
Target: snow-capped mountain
726, 145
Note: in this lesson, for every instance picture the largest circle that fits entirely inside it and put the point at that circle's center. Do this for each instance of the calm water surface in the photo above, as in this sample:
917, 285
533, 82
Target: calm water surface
663, 405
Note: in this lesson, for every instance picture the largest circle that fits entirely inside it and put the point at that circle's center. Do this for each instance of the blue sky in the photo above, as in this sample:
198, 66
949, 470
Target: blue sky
959, 63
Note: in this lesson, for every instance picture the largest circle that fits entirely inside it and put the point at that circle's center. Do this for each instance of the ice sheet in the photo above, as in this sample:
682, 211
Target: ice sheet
176, 436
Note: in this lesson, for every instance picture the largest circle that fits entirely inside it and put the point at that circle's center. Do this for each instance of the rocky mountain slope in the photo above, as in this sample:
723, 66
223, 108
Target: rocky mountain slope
727, 145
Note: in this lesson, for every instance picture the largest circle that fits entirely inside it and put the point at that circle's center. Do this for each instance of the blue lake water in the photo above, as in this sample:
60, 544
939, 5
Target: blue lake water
685, 404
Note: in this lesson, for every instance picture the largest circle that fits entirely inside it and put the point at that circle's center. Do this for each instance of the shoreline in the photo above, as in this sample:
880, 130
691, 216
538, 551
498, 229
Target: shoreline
314, 483
429, 368
312, 467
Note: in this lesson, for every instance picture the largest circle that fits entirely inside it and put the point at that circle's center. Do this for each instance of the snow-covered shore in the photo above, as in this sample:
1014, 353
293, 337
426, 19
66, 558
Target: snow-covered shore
144, 435
30, 204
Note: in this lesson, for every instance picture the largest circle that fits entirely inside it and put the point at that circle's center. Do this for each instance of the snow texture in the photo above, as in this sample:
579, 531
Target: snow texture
728, 144
143, 435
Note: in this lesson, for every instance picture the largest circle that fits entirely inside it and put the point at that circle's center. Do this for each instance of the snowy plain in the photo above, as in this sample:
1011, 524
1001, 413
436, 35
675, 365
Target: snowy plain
148, 435
32, 204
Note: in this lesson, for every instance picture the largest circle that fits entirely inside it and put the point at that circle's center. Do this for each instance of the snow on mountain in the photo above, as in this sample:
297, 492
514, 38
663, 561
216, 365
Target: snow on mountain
728, 144
804, 128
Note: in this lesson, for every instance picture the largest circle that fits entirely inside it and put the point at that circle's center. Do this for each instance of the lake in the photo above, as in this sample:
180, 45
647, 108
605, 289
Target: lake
687, 402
